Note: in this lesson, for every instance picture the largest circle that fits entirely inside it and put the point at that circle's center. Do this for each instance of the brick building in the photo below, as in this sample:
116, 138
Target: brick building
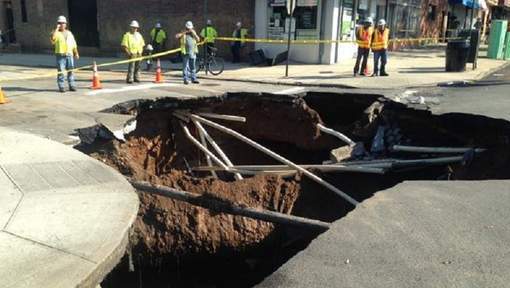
99, 25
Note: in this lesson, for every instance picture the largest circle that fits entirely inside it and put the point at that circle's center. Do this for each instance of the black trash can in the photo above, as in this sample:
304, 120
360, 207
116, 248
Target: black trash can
457, 53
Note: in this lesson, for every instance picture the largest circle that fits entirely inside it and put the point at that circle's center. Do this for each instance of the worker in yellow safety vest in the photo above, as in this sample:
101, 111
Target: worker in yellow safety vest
133, 45
189, 50
379, 46
158, 42
66, 50
363, 38
209, 33
238, 45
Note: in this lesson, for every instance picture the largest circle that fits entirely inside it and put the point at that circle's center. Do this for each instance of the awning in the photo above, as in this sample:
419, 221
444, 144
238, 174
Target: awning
476, 4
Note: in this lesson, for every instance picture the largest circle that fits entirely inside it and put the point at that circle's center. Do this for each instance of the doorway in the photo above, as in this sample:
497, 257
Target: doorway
10, 33
83, 22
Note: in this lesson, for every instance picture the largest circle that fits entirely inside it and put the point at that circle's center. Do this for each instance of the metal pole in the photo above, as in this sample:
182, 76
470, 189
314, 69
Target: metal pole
206, 59
386, 10
288, 38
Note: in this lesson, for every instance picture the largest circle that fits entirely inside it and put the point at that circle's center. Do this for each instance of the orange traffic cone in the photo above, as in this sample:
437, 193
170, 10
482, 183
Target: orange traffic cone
159, 76
96, 83
3, 99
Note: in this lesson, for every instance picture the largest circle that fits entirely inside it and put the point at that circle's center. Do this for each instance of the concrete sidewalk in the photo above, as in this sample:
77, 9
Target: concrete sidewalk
64, 217
411, 68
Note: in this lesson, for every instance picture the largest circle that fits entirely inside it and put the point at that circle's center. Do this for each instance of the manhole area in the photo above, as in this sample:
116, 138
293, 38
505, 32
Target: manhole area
177, 244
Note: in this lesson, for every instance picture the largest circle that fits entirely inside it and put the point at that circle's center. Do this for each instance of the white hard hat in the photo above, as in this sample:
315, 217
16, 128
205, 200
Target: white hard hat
209, 21
189, 25
134, 24
158, 25
61, 19
239, 24
369, 20
149, 47
381, 22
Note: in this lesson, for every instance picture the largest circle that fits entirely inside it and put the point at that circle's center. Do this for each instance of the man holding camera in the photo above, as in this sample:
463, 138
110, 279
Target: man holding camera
189, 50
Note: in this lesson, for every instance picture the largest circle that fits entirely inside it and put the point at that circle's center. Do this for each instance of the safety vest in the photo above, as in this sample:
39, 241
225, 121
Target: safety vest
133, 42
183, 45
380, 39
64, 43
242, 34
158, 38
364, 37
211, 34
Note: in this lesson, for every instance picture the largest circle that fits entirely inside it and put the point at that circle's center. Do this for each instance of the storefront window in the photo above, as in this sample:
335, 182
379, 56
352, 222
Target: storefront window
305, 24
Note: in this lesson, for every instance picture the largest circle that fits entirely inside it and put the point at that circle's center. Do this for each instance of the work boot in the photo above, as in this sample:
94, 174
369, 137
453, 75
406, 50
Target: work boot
186, 82
61, 89
137, 80
129, 81
383, 72
195, 82
72, 88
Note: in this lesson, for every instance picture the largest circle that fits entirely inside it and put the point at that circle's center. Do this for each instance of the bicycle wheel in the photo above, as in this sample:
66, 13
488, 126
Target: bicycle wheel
199, 65
216, 65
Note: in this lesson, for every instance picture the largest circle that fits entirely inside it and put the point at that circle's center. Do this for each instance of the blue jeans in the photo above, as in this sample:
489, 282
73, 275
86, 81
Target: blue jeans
65, 62
188, 68
382, 55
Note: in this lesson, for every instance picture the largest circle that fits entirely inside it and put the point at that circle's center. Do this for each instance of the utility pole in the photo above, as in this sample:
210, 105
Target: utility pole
290, 9
206, 59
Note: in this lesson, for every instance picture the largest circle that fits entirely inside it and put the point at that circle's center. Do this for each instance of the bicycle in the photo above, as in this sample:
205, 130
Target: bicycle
215, 64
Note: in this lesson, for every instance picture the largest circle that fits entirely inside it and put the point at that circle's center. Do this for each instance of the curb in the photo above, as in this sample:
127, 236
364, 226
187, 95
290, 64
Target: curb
283, 83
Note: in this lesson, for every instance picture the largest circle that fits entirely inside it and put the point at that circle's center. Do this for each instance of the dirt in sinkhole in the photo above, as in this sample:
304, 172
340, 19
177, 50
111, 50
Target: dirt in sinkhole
177, 244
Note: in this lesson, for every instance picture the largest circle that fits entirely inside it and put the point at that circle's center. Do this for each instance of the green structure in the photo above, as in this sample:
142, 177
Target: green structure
507, 46
497, 39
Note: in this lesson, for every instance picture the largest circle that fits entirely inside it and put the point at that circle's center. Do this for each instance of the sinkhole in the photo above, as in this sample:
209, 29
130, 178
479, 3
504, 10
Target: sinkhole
175, 243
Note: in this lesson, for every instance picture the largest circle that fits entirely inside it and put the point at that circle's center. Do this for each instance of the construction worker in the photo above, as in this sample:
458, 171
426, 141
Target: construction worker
238, 45
189, 50
363, 38
209, 34
379, 46
133, 45
158, 42
66, 50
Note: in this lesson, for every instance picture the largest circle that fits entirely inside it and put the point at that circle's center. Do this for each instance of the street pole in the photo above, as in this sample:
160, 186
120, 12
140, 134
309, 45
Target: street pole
206, 59
291, 12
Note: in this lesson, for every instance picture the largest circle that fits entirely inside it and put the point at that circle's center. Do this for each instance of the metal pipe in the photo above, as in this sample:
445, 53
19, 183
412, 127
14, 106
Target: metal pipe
336, 134
207, 157
277, 157
223, 117
420, 149
203, 133
281, 168
231, 208
204, 149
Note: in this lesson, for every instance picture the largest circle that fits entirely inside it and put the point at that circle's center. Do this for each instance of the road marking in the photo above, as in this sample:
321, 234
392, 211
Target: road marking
294, 90
130, 88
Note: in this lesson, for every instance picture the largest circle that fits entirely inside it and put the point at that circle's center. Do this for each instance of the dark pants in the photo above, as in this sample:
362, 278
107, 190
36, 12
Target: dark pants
209, 45
383, 57
362, 54
236, 53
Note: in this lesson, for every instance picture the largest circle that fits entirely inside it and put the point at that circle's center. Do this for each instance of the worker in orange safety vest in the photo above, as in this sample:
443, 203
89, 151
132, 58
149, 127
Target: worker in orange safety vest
363, 38
379, 46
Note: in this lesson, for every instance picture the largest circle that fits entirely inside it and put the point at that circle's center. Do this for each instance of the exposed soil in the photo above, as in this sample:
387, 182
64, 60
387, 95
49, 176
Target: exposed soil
175, 244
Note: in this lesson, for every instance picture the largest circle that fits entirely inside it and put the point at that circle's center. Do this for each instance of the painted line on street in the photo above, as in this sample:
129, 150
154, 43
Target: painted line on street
131, 88
291, 90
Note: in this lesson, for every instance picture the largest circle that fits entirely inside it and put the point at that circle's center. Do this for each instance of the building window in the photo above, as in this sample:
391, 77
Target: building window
432, 12
304, 23
24, 17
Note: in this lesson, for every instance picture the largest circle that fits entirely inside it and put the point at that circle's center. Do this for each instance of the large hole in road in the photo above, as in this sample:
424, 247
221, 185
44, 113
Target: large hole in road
176, 244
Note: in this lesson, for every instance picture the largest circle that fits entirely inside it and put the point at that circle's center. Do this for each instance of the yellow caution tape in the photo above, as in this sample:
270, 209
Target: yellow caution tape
317, 41
55, 73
